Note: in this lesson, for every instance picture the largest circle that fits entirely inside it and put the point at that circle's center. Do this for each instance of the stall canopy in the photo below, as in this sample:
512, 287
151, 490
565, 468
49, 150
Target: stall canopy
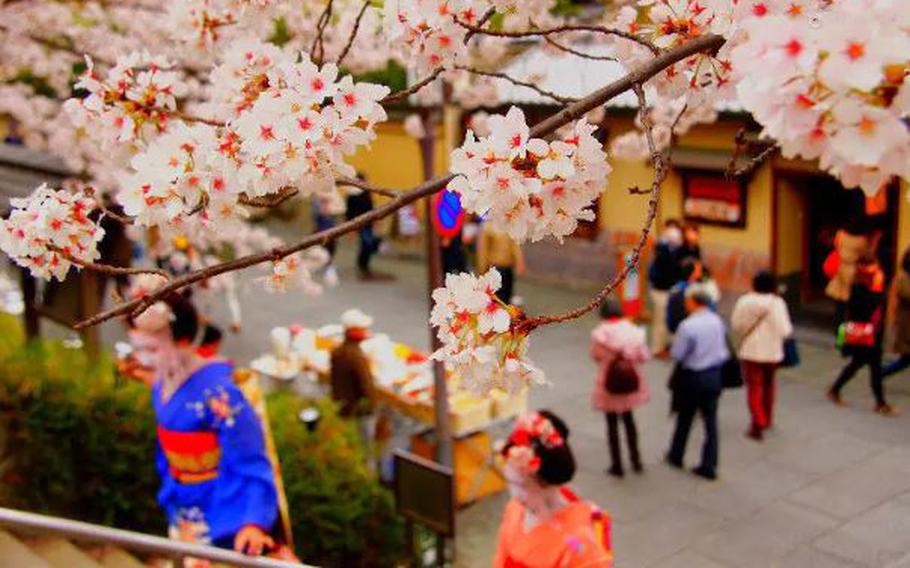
22, 170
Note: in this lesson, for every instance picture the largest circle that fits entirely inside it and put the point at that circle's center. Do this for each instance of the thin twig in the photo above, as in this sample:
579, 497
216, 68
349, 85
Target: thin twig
742, 143
660, 173
405, 93
518, 82
347, 48
367, 187
320, 31
577, 53
573, 112
193, 118
561, 29
635, 190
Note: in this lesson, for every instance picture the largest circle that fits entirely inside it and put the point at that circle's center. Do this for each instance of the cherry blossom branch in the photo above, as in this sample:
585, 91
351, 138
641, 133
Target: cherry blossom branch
573, 112
754, 162
660, 173
499, 75
320, 32
347, 47
367, 187
57, 45
268, 201
649, 134
106, 268
561, 29
576, 52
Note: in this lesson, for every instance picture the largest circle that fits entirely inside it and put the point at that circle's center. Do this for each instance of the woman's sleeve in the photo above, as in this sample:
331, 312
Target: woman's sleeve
244, 457
167, 482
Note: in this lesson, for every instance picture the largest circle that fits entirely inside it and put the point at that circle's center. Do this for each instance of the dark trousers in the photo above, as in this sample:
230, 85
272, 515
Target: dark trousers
614, 442
508, 284
861, 358
896, 366
759, 379
369, 244
692, 402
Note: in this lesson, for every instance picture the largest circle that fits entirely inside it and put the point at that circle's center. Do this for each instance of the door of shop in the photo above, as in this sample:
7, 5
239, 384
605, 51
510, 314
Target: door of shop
810, 210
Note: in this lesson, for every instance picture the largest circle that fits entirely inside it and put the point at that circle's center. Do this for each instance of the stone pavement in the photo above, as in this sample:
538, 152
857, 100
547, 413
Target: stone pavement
829, 488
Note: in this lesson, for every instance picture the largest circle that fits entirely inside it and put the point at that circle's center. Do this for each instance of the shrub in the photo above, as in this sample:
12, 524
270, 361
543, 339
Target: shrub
341, 515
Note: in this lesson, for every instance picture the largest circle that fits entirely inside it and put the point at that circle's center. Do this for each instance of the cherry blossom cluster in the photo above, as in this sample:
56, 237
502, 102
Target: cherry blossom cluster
427, 32
134, 101
299, 130
832, 86
528, 187
50, 229
181, 172
530, 430
480, 344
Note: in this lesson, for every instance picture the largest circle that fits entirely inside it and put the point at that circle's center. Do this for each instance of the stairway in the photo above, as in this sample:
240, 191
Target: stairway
55, 552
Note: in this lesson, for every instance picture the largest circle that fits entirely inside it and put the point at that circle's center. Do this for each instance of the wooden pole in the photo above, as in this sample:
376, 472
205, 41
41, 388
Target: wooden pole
435, 280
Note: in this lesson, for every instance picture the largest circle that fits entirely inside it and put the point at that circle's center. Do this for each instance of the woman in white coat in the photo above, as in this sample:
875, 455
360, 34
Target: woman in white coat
762, 322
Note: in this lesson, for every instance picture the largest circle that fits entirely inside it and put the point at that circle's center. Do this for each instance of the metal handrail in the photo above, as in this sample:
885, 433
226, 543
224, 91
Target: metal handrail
132, 541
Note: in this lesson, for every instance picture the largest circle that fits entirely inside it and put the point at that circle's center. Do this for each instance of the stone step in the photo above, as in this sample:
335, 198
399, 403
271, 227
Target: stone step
113, 557
60, 553
14, 553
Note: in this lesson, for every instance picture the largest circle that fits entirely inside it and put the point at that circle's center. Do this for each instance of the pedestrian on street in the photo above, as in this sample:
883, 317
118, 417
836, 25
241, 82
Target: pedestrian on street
762, 322
351, 378
325, 209
618, 347
662, 275
700, 349
360, 202
498, 250
850, 244
545, 524
691, 247
454, 259
863, 332
691, 271
900, 318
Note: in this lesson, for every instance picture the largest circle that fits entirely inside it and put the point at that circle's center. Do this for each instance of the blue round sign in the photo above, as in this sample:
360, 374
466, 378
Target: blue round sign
448, 214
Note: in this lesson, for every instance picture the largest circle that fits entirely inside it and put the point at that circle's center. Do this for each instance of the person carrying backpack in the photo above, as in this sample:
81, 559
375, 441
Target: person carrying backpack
618, 347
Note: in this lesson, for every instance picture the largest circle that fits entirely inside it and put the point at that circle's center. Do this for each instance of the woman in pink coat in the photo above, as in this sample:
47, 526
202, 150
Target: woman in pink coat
617, 337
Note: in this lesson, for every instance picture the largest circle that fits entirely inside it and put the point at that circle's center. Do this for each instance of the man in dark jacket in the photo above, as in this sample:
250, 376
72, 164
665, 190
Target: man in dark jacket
662, 275
360, 202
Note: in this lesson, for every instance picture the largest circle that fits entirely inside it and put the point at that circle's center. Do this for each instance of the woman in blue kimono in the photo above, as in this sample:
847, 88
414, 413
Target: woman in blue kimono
217, 484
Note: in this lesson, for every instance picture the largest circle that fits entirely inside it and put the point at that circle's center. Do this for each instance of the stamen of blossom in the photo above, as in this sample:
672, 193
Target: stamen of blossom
480, 344
530, 188
47, 228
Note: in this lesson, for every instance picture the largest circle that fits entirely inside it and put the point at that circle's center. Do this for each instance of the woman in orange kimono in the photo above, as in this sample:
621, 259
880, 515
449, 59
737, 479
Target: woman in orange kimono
545, 525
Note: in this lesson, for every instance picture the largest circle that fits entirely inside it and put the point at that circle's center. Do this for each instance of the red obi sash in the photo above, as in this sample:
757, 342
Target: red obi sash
192, 456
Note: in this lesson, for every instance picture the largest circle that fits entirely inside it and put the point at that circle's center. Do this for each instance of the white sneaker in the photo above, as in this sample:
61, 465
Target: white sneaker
330, 278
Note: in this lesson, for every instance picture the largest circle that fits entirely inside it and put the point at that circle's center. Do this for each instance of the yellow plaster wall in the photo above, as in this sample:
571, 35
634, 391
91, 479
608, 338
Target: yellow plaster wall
791, 210
623, 211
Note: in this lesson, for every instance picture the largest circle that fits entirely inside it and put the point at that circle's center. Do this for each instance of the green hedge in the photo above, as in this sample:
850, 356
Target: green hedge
76, 442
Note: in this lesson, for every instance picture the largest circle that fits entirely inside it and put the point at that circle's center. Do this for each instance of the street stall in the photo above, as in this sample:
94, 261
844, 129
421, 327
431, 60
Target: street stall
402, 384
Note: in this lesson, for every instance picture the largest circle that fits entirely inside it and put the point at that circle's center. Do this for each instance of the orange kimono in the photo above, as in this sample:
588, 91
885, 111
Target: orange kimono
578, 536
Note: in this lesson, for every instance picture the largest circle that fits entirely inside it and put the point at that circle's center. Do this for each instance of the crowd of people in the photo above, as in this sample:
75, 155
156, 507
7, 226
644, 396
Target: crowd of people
711, 354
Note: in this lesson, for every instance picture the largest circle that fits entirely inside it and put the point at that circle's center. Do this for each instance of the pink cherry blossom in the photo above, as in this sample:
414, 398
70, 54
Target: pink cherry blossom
528, 187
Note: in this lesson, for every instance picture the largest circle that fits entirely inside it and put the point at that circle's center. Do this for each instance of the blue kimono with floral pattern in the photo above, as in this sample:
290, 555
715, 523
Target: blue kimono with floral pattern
216, 477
